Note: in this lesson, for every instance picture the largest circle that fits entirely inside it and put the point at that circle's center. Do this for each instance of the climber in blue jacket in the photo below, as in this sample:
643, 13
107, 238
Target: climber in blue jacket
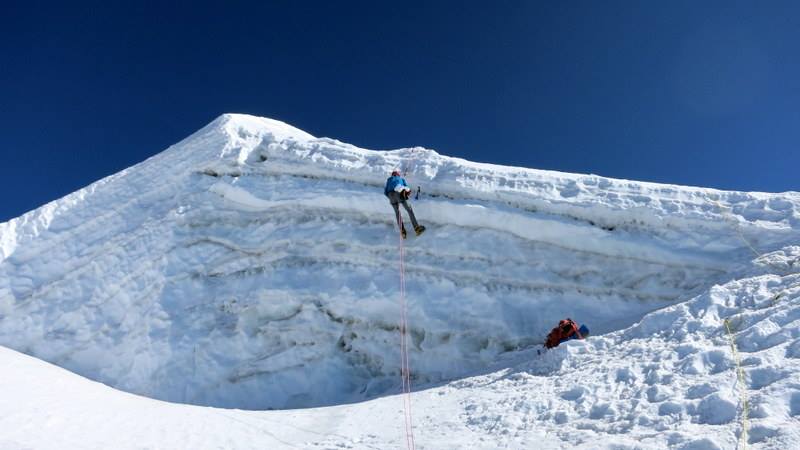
398, 192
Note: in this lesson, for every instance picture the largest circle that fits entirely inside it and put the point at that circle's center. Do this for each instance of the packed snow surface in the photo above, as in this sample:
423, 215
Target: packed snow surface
254, 266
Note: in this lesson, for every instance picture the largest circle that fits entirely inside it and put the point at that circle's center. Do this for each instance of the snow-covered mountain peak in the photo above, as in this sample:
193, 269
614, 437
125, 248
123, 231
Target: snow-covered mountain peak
261, 126
231, 137
256, 266
242, 129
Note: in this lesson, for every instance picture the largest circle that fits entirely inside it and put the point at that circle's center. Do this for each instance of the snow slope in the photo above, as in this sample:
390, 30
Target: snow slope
255, 266
668, 382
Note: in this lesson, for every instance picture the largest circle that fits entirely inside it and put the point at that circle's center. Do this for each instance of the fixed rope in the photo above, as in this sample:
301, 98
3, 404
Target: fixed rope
727, 212
405, 367
742, 385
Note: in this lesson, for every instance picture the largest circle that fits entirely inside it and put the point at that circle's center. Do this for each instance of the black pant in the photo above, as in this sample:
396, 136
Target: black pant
396, 200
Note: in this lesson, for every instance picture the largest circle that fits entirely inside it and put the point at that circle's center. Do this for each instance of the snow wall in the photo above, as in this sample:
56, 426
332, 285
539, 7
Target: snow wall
255, 266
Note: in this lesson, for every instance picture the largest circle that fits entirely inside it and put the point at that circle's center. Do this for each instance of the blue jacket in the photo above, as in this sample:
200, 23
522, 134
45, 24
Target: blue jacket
392, 183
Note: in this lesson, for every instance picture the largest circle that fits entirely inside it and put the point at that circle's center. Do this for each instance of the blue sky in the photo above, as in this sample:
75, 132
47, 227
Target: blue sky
697, 93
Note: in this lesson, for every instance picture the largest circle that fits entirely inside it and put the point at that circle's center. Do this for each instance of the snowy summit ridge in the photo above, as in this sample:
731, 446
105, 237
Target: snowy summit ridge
254, 266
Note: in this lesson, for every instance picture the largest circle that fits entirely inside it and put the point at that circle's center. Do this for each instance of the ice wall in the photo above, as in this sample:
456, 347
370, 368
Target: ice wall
255, 266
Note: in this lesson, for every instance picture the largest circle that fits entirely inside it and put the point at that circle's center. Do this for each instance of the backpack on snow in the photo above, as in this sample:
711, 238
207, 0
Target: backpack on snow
565, 330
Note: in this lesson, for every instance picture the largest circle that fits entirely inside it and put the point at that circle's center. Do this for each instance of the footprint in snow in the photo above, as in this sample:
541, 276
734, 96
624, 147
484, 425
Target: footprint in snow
625, 376
794, 405
710, 362
686, 350
763, 377
602, 410
700, 391
716, 409
793, 351
670, 409
701, 444
656, 394
573, 394
561, 417
760, 433
717, 361
752, 361
762, 336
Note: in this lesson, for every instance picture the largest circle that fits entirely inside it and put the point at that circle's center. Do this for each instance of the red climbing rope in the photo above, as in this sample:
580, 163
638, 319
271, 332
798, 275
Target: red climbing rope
405, 368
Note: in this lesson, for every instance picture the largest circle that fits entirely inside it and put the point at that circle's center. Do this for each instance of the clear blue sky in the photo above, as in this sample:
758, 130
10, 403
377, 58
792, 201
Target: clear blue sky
698, 93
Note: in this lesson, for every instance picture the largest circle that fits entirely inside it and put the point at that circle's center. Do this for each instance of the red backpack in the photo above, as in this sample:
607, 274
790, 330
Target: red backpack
565, 329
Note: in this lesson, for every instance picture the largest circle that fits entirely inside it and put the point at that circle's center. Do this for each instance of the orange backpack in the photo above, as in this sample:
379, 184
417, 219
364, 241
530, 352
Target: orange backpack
565, 329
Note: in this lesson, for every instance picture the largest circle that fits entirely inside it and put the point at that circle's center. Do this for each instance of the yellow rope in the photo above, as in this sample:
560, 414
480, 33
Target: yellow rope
742, 386
736, 225
727, 212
